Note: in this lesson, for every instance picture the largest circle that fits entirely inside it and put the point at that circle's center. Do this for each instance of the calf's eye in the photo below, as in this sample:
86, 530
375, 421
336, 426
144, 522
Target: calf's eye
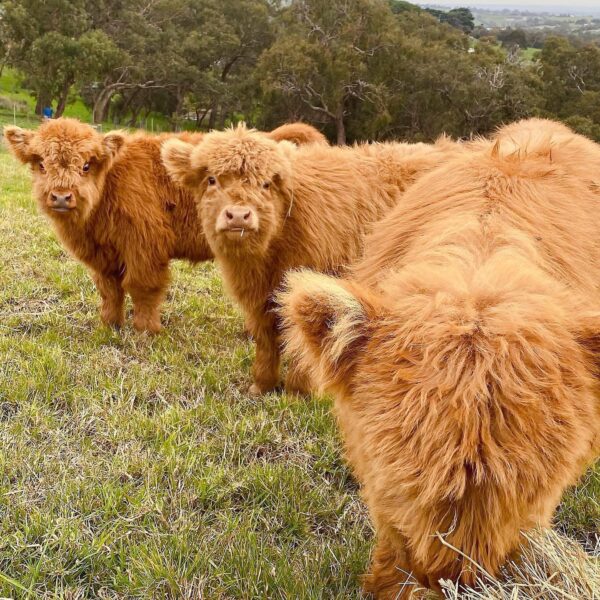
86, 167
42, 167
266, 185
212, 181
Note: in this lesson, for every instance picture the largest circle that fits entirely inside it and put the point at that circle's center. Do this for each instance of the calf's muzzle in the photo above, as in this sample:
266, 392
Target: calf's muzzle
237, 218
61, 201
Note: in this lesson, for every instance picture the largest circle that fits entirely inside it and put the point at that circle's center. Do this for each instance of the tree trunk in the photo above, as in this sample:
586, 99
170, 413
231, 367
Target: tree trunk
135, 111
228, 67
102, 104
222, 118
212, 120
43, 100
62, 99
4, 62
340, 127
122, 113
200, 119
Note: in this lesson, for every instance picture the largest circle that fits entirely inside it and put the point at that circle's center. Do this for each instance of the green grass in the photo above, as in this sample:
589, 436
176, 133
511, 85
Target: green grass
14, 95
530, 54
11, 88
137, 467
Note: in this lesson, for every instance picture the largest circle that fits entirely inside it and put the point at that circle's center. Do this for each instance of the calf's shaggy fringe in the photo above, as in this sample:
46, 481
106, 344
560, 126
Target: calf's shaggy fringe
463, 354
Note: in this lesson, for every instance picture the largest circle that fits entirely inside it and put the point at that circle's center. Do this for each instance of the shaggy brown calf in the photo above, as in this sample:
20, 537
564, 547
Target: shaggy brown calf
268, 207
463, 354
115, 209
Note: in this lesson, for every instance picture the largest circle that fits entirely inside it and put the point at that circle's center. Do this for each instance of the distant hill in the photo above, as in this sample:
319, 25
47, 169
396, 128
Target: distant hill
531, 9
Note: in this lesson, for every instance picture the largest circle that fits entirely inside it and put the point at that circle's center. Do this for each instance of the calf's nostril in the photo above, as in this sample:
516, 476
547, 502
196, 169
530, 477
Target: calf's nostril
61, 197
229, 214
247, 216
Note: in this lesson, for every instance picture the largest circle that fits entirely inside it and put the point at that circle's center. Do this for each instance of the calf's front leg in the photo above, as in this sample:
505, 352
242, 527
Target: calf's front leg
111, 291
148, 293
265, 369
146, 308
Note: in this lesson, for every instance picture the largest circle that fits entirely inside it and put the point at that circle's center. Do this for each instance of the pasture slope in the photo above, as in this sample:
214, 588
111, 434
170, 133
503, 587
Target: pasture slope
136, 467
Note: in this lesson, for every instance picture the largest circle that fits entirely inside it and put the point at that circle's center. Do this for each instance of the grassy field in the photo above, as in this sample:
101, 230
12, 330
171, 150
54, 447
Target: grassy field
136, 467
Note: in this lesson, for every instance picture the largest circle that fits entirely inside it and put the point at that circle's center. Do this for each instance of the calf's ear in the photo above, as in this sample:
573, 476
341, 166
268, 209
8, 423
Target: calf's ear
113, 142
176, 156
19, 142
325, 324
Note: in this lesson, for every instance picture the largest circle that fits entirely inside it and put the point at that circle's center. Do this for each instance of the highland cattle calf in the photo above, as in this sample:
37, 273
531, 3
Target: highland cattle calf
268, 208
462, 353
115, 209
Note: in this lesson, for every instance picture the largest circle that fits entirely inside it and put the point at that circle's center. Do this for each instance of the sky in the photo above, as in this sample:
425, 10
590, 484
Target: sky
551, 5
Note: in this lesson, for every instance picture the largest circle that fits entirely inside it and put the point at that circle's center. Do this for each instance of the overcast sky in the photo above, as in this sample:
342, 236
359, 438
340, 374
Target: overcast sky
540, 4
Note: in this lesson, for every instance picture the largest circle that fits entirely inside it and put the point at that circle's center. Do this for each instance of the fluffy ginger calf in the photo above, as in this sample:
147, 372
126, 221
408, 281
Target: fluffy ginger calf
268, 208
463, 355
115, 209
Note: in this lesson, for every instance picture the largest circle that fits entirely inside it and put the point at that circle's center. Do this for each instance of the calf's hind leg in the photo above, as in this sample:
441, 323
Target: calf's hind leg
391, 576
298, 380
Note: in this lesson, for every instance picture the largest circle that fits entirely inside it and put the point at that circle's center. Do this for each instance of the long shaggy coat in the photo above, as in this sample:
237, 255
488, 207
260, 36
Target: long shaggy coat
463, 354
115, 209
296, 207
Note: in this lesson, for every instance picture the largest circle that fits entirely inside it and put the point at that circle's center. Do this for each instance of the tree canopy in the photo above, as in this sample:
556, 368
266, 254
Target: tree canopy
359, 69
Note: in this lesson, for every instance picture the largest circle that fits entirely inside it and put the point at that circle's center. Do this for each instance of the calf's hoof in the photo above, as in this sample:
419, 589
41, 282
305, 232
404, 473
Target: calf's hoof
112, 318
147, 325
257, 389
113, 323
399, 591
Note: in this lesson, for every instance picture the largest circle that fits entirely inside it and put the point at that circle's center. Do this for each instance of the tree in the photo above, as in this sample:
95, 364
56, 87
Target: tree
230, 36
571, 77
459, 18
437, 83
513, 37
53, 51
42, 42
399, 6
148, 38
326, 54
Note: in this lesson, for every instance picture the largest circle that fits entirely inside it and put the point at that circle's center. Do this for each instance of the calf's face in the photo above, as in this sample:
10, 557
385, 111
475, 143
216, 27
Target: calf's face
241, 214
237, 177
69, 162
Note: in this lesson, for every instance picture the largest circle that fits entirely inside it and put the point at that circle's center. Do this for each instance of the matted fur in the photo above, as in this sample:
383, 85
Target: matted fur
308, 206
127, 219
462, 354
